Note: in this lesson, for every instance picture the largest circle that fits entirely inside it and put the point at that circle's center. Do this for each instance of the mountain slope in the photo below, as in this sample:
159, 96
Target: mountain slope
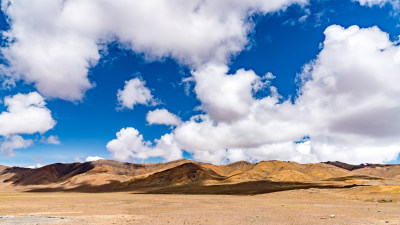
3, 168
186, 176
187, 173
54, 173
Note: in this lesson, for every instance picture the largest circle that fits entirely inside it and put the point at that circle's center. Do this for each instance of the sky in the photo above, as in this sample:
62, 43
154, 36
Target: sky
216, 81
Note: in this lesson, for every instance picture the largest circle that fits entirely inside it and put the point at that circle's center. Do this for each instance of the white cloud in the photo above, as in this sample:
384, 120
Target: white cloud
26, 114
92, 158
347, 108
45, 49
130, 145
38, 165
135, 92
53, 43
12, 142
225, 97
162, 116
380, 3
52, 140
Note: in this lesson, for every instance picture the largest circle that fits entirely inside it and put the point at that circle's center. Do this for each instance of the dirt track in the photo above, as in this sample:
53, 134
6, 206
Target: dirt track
312, 206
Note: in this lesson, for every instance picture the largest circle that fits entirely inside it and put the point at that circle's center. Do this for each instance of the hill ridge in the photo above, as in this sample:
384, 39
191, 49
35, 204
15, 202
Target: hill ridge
187, 176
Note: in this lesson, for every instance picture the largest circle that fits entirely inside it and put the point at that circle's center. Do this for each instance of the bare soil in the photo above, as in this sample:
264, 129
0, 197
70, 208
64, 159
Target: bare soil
359, 205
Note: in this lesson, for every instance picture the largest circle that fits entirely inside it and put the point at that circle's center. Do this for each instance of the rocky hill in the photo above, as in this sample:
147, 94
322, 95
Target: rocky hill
186, 176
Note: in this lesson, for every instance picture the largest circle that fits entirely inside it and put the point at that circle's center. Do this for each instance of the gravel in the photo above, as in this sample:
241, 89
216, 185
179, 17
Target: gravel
33, 219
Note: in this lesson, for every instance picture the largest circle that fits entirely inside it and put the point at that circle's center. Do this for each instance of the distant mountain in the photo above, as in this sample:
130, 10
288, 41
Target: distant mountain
2, 168
186, 176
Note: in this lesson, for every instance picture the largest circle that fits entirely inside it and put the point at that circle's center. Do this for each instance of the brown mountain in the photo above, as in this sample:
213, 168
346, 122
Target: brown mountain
187, 173
186, 176
2, 168
54, 173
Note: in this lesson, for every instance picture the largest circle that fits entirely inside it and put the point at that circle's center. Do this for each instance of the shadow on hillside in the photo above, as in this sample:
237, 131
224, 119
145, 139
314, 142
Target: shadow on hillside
245, 188
356, 177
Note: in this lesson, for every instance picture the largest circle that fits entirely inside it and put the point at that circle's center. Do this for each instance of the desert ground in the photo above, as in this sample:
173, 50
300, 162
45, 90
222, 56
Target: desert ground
188, 192
359, 205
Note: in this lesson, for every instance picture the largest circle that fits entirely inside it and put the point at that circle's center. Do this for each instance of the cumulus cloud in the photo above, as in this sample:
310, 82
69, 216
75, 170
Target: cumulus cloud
44, 49
25, 114
380, 3
52, 140
53, 43
347, 108
91, 158
135, 92
162, 116
38, 165
130, 145
9, 143
225, 97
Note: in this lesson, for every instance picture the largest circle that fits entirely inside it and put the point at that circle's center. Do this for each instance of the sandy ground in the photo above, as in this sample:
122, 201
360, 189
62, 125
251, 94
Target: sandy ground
312, 206
34, 220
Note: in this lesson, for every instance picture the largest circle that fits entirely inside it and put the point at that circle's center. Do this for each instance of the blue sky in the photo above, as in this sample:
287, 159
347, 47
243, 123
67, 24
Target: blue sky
282, 40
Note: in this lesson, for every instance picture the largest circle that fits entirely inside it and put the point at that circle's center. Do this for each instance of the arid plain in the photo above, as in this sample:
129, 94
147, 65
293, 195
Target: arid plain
187, 192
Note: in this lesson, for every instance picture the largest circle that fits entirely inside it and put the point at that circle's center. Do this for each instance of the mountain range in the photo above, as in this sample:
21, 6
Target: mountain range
190, 177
